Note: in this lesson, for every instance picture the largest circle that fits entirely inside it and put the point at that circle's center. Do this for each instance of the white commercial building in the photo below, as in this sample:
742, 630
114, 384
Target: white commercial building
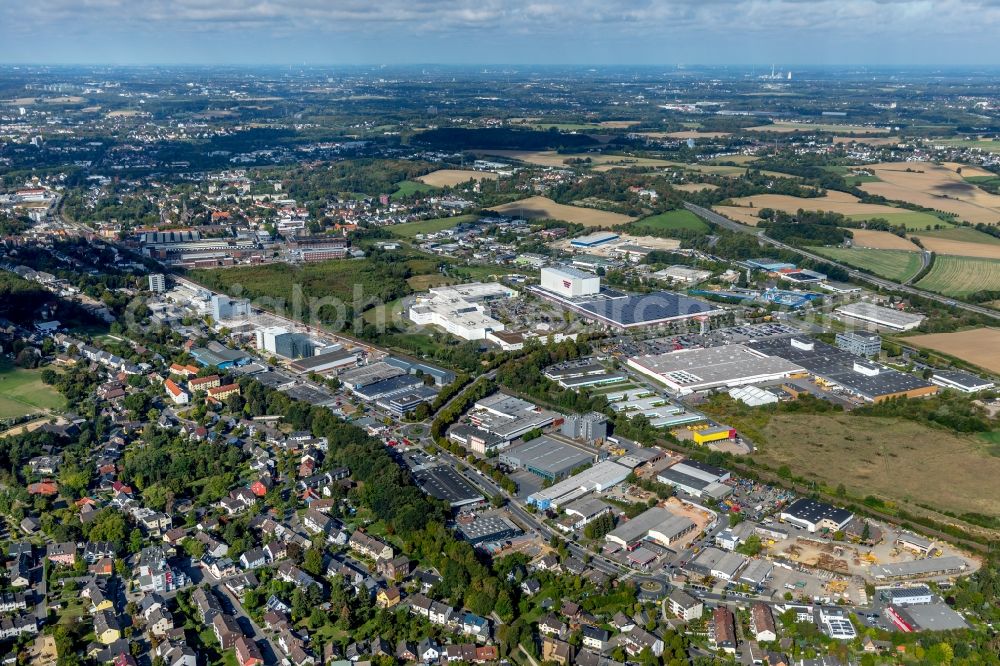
682, 274
461, 309
570, 282
888, 317
689, 370
599, 478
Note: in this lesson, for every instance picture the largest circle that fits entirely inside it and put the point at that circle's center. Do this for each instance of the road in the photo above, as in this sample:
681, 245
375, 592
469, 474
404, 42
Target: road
715, 218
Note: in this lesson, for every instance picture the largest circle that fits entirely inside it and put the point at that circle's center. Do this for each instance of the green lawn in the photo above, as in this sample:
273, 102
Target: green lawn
411, 229
896, 265
670, 221
911, 219
962, 234
961, 276
987, 145
849, 176
22, 392
408, 188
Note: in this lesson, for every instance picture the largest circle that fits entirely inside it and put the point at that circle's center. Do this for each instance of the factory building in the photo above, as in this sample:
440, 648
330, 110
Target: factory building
591, 427
697, 479
687, 371
223, 307
508, 417
594, 239
813, 516
461, 309
545, 457
656, 524
598, 479
570, 282
880, 316
280, 341
961, 381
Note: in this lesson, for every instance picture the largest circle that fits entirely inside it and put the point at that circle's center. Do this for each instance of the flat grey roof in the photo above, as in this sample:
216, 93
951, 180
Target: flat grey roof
446, 484
933, 617
925, 567
715, 366
548, 455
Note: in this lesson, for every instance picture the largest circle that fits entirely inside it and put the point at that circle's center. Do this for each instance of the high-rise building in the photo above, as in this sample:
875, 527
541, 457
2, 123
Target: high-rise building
157, 283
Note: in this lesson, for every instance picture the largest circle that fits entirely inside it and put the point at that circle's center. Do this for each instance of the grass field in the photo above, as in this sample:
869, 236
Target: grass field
986, 145
669, 221
978, 346
786, 127
407, 188
901, 461
551, 158
881, 240
912, 220
896, 265
961, 276
963, 234
962, 242
539, 208
411, 229
22, 392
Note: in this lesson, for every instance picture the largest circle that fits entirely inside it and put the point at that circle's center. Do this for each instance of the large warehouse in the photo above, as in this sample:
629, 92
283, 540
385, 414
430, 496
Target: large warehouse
545, 457
656, 524
875, 314
689, 370
812, 515
460, 309
838, 368
507, 417
697, 479
570, 282
599, 478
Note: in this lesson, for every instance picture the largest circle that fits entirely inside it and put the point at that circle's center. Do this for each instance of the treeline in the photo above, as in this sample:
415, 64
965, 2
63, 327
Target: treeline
947, 409
368, 176
481, 388
20, 300
804, 227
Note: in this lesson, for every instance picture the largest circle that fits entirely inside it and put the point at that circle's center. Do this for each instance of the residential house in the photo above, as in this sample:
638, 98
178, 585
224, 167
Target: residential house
253, 558
685, 606
396, 568
762, 622
369, 546
247, 652
106, 627
226, 630
723, 630
552, 626
595, 637
639, 639
61, 553
557, 651
387, 597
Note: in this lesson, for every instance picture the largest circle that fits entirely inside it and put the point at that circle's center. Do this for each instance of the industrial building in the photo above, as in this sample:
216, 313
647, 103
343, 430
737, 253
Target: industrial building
581, 372
961, 381
508, 417
440, 375
687, 371
545, 457
594, 239
586, 509
880, 316
326, 362
946, 565
656, 524
837, 368
476, 439
717, 563
569, 282
683, 274
925, 617
287, 344
357, 378
598, 479
402, 402
223, 307
220, 356
461, 309
757, 572
907, 596
812, 515
697, 479
444, 483
489, 529
389, 387
867, 345
590, 427
753, 396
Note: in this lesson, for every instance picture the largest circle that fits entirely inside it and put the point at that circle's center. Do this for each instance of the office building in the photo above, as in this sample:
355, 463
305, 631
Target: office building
223, 307
461, 309
589, 427
867, 345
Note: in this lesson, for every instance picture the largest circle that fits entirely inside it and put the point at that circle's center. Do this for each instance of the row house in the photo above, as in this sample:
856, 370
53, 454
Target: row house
370, 546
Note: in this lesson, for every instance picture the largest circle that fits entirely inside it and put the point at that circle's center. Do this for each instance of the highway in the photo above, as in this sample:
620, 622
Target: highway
715, 218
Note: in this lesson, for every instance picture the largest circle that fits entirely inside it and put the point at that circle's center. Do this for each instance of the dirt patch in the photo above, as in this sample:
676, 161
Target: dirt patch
453, 177
936, 187
867, 140
979, 346
961, 248
534, 208
882, 240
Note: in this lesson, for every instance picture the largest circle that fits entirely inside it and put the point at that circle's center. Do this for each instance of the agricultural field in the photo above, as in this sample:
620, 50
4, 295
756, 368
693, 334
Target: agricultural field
787, 127
978, 346
22, 392
961, 276
537, 208
901, 461
685, 134
895, 265
745, 209
984, 249
412, 229
406, 188
551, 158
881, 240
694, 187
867, 140
968, 171
453, 177
937, 187
670, 221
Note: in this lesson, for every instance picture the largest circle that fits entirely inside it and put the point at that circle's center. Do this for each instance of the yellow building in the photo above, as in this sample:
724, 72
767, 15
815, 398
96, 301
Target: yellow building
714, 434
387, 597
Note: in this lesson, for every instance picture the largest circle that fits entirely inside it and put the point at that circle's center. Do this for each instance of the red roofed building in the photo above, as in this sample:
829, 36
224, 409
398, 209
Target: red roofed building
176, 393
46, 488
247, 652
204, 383
223, 392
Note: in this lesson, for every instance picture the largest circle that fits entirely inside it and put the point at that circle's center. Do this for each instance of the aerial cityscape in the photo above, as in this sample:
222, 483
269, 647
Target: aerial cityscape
504, 354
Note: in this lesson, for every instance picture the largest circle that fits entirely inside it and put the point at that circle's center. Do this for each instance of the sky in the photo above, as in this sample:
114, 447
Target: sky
397, 32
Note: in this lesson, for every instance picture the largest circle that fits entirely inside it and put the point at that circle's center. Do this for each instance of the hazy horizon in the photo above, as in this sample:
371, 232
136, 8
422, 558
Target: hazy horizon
494, 32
